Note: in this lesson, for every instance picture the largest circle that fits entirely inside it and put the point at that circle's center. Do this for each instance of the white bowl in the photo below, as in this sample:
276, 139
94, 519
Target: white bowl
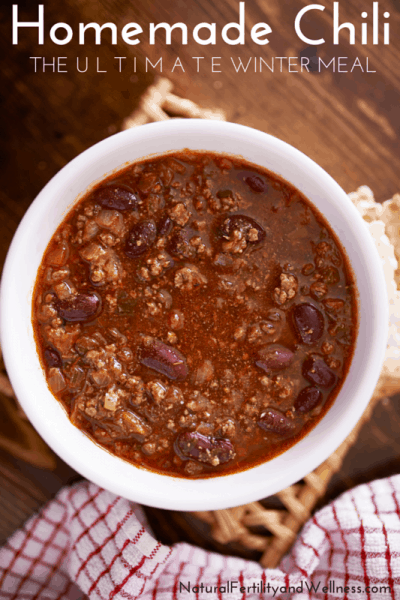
46, 413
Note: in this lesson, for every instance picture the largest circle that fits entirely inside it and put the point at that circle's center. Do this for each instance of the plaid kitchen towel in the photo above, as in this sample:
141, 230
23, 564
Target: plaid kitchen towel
88, 543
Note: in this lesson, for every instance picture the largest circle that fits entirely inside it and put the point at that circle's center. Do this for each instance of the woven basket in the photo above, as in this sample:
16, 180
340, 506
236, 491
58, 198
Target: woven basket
279, 527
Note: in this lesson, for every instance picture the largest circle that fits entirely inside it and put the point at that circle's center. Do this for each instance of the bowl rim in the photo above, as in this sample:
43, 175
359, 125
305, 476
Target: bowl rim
171, 492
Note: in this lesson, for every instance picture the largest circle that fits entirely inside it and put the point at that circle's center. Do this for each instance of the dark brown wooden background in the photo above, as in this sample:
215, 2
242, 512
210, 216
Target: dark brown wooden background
348, 123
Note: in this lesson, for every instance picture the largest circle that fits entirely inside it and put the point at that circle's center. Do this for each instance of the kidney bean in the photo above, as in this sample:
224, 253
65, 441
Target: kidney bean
317, 372
118, 197
274, 421
308, 399
255, 182
163, 359
52, 357
140, 238
80, 308
245, 224
308, 323
274, 358
205, 449
164, 225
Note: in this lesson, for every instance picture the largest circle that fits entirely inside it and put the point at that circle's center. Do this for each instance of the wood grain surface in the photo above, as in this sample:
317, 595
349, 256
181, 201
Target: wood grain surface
347, 122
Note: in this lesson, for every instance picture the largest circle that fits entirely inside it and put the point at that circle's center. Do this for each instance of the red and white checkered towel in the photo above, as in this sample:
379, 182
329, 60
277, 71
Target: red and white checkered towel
89, 543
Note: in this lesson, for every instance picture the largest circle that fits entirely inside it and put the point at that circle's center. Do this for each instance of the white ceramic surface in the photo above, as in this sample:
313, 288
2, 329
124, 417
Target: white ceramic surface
19, 349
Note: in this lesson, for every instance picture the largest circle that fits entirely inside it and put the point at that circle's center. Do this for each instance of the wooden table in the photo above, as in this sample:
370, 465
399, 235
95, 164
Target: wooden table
347, 122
